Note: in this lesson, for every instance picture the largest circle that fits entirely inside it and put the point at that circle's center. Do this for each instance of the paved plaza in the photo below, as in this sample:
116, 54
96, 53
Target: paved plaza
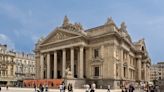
11, 89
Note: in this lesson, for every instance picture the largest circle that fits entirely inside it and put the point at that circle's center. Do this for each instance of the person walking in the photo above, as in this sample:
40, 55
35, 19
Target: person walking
7, 87
108, 88
61, 87
35, 87
93, 87
87, 88
46, 88
131, 88
41, 88
70, 88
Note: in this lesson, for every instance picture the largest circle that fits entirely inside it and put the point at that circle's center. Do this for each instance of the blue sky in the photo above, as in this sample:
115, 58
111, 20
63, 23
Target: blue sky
23, 22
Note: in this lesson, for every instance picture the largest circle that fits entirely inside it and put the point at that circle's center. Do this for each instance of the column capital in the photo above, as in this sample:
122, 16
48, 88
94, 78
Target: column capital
72, 48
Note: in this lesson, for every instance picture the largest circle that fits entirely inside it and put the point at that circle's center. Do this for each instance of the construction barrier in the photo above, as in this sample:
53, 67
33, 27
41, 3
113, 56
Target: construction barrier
52, 83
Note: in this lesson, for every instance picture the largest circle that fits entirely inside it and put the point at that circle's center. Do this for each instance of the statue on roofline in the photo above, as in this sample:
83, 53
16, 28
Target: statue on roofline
109, 21
69, 26
65, 21
123, 27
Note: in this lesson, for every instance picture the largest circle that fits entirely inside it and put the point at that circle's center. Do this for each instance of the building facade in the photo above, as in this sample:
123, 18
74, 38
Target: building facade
7, 66
157, 71
15, 67
154, 72
161, 70
25, 67
104, 55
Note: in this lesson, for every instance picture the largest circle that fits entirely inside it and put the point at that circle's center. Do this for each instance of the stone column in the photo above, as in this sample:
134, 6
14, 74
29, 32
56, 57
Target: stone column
41, 66
8, 70
64, 62
128, 63
139, 68
55, 64
145, 77
122, 64
72, 62
48, 66
81, 62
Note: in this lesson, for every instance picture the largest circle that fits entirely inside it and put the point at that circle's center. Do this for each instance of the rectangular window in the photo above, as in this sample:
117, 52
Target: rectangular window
96, 53
96, 71
124, 71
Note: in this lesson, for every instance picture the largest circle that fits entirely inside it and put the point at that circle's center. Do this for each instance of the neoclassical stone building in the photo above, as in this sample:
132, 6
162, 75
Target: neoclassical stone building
104, 55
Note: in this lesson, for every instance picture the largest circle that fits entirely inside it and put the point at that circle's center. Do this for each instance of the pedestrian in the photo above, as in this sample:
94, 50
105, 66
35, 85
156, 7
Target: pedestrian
46, 88
70, 87
7, 87
131, 88
146, 88
41, 88
123, 89
35, 87
152, 88
61, 87
87, 88
108, 88
93, 87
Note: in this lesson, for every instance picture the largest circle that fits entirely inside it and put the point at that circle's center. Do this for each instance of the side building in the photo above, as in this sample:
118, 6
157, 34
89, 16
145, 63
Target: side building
154, 72
25, 67
104, 55
157, 71
7, 66
15, 67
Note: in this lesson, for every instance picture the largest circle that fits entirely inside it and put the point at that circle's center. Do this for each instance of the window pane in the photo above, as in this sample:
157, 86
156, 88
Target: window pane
96, 71
96, 53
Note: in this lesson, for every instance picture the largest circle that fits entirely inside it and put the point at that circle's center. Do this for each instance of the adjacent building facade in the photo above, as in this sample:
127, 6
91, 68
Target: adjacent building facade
103, 55
154, 72
25, 67
15, 67
157, 71
7, 66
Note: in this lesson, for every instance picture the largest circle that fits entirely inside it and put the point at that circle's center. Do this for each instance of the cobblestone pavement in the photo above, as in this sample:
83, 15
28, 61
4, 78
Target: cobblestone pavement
11, 89
50, 90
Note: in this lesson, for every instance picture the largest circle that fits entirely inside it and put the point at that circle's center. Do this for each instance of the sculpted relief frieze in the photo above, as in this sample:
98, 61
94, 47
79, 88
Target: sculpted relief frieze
63, 43
60, 36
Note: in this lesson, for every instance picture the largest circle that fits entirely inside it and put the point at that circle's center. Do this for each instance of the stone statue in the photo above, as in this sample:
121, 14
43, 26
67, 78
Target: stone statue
66, 21
68, 73
109, 21
123, 27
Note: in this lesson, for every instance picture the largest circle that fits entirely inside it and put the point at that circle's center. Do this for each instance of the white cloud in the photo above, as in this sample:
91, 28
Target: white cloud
6, 40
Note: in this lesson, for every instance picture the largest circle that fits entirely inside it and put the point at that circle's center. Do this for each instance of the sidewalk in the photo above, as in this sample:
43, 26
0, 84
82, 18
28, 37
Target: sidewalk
13, 89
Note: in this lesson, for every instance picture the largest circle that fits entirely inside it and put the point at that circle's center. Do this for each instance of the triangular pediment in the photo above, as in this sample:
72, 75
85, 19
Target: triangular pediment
59, 35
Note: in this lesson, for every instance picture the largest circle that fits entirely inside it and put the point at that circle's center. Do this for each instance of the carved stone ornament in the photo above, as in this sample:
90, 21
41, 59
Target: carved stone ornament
68, 73
71, 27
109, 21
123, 27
